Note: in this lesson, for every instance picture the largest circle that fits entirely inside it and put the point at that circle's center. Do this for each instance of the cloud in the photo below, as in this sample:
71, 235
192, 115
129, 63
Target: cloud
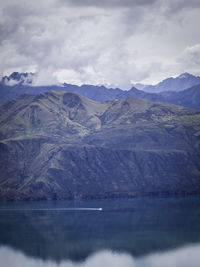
98, 42
189, 59
178, 5
110, 3
45, 76
183, 257
191, 56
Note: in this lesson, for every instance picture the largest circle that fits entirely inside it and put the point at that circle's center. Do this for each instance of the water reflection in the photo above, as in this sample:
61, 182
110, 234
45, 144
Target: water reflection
132, 232
183, 257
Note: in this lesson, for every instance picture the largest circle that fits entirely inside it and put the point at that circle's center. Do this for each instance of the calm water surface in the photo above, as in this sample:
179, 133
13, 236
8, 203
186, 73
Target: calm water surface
140, 232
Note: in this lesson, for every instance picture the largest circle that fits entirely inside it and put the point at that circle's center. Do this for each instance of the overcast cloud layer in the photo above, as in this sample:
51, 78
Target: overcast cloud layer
111, 42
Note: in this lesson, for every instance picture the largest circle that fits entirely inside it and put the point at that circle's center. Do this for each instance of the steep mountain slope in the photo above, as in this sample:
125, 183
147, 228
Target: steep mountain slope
61, 145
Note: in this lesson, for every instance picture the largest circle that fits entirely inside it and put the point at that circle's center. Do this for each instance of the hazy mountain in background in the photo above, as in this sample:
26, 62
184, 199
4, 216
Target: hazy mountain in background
60, 145
17, 78
177, 84
22, 85
188, 98
140, 86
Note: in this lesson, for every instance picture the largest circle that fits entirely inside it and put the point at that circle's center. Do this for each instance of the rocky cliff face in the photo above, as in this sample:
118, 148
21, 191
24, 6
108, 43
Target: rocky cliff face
60, 145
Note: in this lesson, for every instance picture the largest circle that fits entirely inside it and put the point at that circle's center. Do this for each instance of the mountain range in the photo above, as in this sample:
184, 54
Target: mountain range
20, 83
59, 145
177, 84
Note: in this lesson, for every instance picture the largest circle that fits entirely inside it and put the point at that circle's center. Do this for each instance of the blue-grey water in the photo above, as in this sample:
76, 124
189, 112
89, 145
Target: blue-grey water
140, 232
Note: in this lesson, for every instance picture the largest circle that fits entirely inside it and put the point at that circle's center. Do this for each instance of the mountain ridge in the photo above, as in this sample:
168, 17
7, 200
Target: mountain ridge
185, 98
177, 84
60, 145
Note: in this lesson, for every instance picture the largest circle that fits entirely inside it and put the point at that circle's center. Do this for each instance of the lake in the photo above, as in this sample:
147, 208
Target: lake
139, 232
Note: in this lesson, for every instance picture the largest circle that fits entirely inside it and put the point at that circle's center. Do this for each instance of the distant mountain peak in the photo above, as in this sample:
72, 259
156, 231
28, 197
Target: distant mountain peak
185, 75
15, 78
177, 84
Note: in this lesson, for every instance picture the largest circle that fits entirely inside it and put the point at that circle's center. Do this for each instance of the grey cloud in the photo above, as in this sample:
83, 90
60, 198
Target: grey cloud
109, 3
95, 45
190, 58
14, 17
172, 7
179, 4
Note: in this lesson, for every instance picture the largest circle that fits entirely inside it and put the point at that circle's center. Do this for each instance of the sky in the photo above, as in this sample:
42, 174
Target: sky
110, 42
